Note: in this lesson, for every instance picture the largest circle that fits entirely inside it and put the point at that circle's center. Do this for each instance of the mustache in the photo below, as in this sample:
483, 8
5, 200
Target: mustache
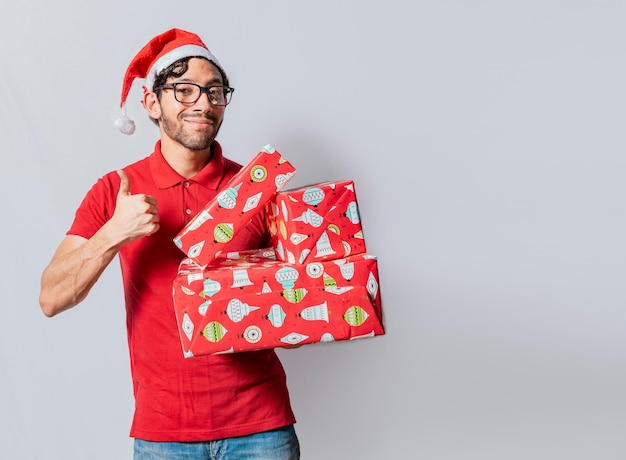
204, 116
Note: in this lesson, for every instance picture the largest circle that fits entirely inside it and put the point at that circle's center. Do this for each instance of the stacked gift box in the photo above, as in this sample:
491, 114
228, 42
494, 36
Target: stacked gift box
316, 283
318, 222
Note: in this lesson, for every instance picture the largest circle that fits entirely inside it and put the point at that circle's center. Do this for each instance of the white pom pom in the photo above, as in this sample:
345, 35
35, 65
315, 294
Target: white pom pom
125, 125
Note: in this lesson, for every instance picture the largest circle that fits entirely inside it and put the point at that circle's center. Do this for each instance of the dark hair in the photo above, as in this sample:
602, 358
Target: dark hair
177, 69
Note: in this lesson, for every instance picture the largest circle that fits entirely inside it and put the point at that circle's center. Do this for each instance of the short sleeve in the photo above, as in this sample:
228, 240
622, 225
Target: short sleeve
97, 207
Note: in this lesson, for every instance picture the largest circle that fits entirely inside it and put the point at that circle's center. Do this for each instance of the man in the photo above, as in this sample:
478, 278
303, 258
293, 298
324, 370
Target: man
232, 406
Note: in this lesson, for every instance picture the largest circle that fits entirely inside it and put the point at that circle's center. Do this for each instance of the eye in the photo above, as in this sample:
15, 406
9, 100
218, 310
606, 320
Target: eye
216, 94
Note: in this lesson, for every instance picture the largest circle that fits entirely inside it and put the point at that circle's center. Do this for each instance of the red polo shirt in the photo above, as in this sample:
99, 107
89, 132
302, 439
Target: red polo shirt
176, 398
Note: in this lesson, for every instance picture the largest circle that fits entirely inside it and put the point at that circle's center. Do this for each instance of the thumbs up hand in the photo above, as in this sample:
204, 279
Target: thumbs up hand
135, 216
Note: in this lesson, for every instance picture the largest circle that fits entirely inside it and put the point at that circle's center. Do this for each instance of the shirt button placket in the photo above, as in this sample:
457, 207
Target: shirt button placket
186, 200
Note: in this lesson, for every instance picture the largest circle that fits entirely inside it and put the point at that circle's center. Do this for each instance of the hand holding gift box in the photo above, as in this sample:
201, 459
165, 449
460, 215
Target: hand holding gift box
253, 301
245, 194
316, 222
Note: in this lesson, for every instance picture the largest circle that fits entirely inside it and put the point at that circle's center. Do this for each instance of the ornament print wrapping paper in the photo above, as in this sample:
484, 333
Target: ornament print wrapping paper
316, 222
245, 195
250, 301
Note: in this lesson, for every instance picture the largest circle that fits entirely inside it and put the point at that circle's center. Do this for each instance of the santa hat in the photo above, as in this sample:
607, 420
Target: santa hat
159, 53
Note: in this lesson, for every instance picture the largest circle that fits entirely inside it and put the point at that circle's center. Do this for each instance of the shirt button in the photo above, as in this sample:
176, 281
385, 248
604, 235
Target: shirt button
186, 184
188, 211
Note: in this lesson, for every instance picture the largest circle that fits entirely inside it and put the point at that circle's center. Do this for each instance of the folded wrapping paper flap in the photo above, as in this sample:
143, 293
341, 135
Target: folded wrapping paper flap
254, 302
316, 222
245, 195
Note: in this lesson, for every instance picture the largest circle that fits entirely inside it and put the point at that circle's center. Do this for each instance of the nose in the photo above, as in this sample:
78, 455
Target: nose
203, 101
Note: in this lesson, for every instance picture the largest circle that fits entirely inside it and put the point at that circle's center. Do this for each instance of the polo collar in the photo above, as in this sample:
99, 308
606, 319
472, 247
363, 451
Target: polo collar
209, 177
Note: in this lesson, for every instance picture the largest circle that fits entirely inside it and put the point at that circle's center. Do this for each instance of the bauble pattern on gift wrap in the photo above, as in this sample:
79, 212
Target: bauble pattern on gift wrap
316, 223
277, 304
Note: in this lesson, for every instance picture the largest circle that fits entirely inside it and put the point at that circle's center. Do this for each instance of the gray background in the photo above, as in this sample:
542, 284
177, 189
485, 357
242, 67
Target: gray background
486, 141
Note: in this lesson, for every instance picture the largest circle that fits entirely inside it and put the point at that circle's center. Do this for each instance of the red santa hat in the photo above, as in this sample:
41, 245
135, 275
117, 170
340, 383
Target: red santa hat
159, 53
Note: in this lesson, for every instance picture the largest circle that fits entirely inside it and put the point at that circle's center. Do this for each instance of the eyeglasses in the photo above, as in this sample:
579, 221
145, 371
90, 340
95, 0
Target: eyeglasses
189, 93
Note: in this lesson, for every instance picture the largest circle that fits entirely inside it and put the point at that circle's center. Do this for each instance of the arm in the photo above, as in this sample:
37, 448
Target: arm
78, 262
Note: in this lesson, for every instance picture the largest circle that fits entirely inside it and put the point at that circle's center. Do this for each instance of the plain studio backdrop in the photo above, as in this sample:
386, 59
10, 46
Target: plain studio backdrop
486, 141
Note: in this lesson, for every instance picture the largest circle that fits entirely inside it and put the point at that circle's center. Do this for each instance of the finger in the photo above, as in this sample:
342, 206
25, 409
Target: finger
151, 200
124, 184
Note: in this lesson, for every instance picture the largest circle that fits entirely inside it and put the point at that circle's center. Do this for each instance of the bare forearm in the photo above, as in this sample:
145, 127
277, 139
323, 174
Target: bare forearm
70, 275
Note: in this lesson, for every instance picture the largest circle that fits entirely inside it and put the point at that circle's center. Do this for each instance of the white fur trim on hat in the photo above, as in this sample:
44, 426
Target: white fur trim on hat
181, 52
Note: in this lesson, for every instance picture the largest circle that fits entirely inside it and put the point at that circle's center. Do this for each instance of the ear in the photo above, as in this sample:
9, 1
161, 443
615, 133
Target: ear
152, 105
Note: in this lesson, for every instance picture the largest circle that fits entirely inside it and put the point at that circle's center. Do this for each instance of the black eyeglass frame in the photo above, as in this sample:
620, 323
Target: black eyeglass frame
228, 92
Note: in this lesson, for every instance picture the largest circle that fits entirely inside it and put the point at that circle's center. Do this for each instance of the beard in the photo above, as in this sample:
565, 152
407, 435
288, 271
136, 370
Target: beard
175, 129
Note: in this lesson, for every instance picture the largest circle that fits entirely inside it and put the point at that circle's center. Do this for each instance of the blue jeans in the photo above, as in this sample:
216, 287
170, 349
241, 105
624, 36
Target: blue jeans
280, 444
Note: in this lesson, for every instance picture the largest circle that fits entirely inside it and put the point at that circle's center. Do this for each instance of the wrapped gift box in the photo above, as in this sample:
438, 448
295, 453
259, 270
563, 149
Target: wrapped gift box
251, 301
245, 194
316, 222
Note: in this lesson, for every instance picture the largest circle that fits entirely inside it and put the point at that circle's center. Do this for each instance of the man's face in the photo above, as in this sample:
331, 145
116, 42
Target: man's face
193, 126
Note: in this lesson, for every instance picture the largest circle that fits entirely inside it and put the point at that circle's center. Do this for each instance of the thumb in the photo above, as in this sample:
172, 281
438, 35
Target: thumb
124, 184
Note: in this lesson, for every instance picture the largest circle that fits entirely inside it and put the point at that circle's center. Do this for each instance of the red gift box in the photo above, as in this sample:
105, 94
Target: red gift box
253, 301
244, 196
316, 222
